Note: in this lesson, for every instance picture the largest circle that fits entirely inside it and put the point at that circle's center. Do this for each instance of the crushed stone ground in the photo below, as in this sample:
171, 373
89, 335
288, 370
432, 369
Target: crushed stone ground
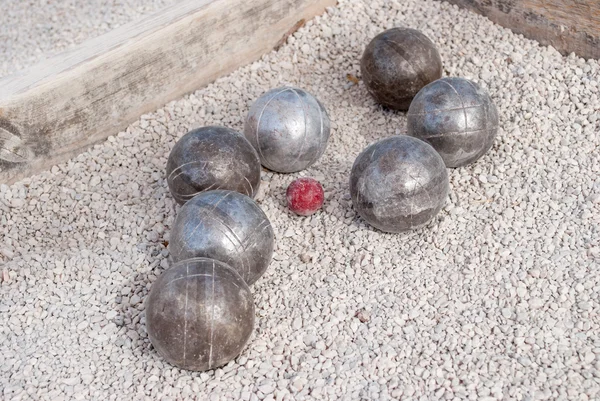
497, 299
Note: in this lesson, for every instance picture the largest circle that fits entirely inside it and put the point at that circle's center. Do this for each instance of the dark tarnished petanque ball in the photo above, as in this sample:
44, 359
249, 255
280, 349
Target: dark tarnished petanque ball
212, 158
226, 226
397, 63
199, 314
457, 117
289, 128
398, 183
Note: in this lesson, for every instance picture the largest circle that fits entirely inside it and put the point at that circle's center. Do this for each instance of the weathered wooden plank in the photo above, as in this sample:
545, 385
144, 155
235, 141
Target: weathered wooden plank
65, 104
567, 25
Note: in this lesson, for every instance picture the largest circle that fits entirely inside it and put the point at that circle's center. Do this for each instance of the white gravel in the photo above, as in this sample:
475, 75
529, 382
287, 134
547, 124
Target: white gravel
31, 30
498, 299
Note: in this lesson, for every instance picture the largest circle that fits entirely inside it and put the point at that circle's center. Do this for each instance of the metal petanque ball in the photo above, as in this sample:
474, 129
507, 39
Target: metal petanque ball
398, 184
199, 314
289, 128
457, 117
397, 63
212, 158
226, 226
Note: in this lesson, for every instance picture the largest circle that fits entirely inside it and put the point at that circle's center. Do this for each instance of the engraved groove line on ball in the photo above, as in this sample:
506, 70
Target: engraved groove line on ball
186, 197
398, 49
184, 243
255, 235
420, 38
412, 194
249, 192
372, 153
10, 155
258, 125
190, 276
234, 284
305, 128
436, 111
462, 102
177, 176
486, 105
360, 194
266, 223
485, 108
444, 134
375, 83
212, 320
235, 241
185, 164
412, 203
12, 148
418, 186
369, 76
321, 136
485, 111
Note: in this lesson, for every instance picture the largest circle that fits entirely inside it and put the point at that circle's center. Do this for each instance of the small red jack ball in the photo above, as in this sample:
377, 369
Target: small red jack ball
305, 196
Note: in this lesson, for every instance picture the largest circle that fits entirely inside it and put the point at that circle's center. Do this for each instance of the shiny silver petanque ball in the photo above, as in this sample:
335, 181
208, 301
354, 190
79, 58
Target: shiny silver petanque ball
211, 158
289, 128
199, 314
457, 117
398, 184
226, 226
397, 63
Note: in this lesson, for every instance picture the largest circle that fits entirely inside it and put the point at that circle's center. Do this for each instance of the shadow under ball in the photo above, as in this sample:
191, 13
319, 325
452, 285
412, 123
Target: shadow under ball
398, 184
457, 117
289, 128
199, 314
211, 158
226, 226
397, 63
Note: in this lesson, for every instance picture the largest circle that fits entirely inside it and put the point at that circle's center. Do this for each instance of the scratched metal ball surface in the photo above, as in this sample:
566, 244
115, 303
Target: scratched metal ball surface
226, 226
397, 63
199, 314
398, 184
457, 117
212, 158
289, 128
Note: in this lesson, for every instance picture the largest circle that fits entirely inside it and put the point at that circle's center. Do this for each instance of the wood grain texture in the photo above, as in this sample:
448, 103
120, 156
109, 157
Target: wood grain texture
63, 105
567, 25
